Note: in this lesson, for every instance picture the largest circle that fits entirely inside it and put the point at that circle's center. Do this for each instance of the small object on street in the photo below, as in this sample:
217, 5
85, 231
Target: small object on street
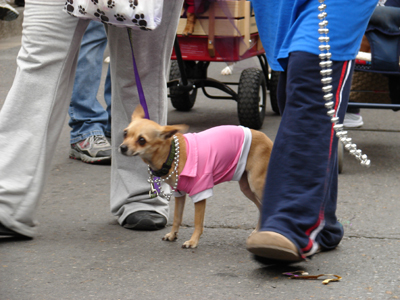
304, 275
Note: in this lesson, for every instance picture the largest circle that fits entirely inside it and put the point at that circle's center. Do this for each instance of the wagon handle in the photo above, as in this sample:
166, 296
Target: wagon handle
180, 62
211, 29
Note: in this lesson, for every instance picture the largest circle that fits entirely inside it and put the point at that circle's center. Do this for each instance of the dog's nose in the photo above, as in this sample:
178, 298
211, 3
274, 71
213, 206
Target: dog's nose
123, 148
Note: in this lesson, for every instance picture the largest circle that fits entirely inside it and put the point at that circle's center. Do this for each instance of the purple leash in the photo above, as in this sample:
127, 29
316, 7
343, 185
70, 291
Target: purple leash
137, 78
141, 96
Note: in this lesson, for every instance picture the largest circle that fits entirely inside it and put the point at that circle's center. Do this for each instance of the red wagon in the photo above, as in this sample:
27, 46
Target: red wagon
227, 32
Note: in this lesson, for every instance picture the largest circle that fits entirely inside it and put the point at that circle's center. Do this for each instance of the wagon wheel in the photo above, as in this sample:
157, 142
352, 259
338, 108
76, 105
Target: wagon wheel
181, 99
252, 97
273, 88
394, 89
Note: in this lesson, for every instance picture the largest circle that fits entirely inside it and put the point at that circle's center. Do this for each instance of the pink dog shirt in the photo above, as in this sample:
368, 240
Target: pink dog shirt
215, 155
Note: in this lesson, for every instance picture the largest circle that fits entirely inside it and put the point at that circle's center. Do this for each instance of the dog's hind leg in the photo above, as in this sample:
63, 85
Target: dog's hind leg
248, 192
257, 161
199, 212
178, 214
253, 180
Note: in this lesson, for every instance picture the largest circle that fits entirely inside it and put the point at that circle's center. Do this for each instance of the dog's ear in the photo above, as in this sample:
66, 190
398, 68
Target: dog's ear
138, 113
170, 130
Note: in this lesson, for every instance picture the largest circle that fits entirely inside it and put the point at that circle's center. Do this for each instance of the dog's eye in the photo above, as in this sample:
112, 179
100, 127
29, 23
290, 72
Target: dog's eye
141, 141
125, 133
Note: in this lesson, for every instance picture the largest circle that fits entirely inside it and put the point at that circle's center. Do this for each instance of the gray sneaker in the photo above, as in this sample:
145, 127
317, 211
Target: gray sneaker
352, 120
7, 12
94, 149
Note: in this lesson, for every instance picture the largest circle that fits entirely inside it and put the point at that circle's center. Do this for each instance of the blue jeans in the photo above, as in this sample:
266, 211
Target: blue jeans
87, 115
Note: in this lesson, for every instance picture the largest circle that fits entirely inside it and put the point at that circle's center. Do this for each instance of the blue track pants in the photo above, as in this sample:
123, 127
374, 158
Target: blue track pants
300, 194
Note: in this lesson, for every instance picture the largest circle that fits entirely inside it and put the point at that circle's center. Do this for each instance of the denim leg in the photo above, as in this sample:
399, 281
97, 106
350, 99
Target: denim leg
107, 98
87, 115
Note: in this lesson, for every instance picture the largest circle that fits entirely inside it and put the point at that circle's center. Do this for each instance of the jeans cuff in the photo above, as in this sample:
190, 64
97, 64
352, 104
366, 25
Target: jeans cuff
84, 136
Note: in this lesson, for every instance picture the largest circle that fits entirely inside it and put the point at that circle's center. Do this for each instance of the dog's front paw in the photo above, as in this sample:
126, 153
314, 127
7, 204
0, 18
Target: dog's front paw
190, 244
172, 236
228, 70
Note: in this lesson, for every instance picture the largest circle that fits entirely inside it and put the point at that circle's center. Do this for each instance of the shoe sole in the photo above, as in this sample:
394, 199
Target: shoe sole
357, 125
9, 234
146, 225
350, 123
88, 159
275, 254
9, 15
145, 221
272, 246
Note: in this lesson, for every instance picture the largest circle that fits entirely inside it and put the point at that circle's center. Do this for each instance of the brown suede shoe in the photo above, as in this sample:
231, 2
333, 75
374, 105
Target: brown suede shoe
273, 246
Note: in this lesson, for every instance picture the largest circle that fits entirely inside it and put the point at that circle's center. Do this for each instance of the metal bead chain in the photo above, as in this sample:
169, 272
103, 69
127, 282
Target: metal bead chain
157, 180
326, 80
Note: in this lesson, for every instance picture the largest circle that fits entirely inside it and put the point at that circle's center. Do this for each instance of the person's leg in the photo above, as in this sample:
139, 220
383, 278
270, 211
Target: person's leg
88, 118
152, 49
33, 114
300, 195
107, 98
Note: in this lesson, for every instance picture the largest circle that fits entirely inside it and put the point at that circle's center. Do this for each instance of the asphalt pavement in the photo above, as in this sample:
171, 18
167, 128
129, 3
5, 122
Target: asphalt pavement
81, 252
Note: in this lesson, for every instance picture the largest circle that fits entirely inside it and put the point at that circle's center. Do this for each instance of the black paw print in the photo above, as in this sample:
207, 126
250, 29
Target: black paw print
110, 4
101, 15
95, 2
133, 3
82, 10
70, 8
119, 17
139, 20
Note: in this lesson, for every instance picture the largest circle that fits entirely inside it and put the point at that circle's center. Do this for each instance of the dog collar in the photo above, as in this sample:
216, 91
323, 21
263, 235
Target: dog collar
168, 163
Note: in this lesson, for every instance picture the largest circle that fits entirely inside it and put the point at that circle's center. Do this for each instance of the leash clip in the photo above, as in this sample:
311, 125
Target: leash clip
153, 193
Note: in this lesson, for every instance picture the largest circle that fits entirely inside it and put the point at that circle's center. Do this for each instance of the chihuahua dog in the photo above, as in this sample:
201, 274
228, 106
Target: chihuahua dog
204, 159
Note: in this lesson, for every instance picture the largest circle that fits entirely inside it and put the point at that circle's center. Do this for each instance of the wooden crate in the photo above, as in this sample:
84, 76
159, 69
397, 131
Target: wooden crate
196, 48
214, 24
223, 27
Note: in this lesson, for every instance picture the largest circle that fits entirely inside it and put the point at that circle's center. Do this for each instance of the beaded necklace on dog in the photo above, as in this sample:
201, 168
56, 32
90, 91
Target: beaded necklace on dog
155, 181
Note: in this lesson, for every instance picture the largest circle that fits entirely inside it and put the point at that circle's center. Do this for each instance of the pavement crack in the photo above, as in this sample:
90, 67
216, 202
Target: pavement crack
220, 227
373, 237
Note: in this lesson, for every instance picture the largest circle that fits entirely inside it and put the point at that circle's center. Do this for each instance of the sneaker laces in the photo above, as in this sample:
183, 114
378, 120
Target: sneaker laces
100, 140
